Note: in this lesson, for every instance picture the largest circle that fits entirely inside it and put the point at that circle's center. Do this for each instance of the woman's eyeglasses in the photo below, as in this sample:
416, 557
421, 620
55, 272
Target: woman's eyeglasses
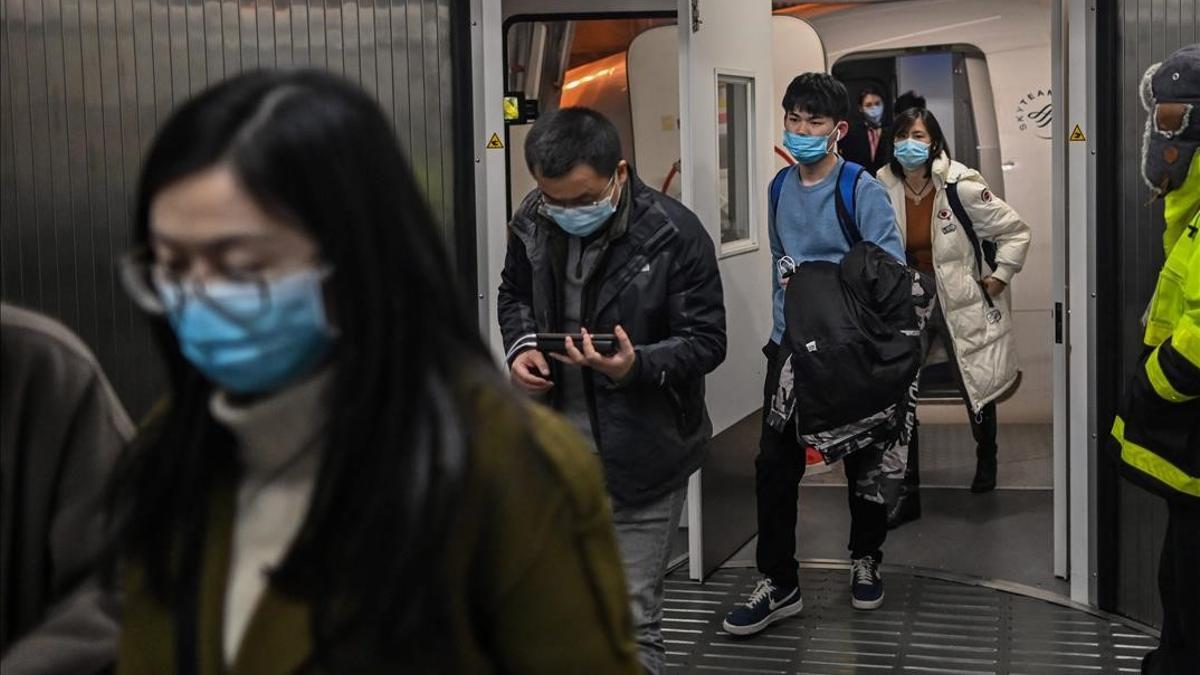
159, 291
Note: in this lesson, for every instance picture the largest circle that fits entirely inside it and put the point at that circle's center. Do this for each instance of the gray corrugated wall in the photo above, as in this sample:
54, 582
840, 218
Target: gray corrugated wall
84, 85
1148, 31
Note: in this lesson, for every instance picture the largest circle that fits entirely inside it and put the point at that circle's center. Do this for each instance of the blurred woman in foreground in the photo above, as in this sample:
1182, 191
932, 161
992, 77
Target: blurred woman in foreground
339, 483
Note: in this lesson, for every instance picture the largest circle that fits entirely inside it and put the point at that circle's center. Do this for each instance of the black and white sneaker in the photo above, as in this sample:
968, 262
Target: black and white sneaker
866, 584
766, 605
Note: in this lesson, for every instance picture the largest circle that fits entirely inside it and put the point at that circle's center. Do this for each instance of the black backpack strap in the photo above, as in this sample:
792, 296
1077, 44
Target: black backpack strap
845, 200
968, 227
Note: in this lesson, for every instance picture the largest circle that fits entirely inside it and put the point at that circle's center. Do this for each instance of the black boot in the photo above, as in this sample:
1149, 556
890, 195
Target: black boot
983, 427
908, 502
906, 508
985, 471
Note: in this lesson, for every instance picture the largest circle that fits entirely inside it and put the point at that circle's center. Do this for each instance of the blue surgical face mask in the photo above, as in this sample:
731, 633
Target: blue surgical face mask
874, 113
911, 154
252, 338
581, 221
808, 149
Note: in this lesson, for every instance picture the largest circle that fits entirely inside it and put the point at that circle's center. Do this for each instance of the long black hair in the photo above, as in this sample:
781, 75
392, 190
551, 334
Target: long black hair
317, 150
903, 124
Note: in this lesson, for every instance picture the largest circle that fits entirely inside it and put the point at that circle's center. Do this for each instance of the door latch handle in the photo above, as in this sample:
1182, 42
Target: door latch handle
1058, 323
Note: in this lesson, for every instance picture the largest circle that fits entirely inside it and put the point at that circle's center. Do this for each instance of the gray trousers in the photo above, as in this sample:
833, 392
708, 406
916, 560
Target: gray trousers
644, 539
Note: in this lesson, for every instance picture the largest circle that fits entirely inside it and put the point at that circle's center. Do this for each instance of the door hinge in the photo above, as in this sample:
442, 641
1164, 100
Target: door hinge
696, 16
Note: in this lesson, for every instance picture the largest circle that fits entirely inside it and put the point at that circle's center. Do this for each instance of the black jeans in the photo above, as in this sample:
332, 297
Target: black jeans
778, 469
1179, 588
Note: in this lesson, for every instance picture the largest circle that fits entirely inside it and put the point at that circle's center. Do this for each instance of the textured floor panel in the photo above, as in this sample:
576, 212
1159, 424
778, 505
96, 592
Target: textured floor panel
925, 626
1005, 534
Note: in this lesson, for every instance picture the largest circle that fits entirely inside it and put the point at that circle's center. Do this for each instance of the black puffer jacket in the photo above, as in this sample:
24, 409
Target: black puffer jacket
852, 333
659, 281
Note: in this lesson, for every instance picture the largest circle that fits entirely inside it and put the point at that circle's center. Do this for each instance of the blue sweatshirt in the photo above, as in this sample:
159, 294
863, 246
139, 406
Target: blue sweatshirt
806, 227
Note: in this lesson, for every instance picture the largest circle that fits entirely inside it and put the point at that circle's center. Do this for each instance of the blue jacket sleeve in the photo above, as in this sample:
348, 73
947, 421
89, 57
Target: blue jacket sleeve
876, 219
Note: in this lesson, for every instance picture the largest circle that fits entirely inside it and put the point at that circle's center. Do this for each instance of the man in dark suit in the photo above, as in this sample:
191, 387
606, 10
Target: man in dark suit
869, 141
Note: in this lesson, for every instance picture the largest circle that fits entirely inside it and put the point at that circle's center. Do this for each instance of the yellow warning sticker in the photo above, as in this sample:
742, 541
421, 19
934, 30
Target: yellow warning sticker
494, 143
512, 109
1077, 134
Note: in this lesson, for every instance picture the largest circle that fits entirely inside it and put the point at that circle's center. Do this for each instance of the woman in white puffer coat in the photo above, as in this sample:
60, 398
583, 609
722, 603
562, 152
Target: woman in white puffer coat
973, 320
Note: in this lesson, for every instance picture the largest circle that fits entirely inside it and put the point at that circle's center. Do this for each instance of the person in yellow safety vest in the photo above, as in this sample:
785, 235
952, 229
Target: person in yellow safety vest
1157, 433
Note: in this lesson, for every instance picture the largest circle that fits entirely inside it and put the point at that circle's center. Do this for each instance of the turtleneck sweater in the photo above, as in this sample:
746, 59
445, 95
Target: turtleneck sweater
277, 444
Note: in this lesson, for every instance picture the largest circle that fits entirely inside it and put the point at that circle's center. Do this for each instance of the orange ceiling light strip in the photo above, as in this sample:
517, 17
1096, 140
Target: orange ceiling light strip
807, 10
578, 85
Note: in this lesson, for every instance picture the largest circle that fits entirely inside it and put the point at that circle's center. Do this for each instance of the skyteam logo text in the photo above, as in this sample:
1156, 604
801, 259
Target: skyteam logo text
1035, 112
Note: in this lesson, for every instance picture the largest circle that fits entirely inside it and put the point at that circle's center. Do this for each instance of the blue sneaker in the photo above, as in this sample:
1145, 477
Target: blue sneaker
766, 605
866, 584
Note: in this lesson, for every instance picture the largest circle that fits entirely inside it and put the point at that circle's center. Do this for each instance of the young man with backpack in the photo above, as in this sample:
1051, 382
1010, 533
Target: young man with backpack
818, 209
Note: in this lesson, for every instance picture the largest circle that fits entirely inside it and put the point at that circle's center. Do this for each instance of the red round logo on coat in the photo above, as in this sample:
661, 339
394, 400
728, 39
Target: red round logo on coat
944, 214
986, 195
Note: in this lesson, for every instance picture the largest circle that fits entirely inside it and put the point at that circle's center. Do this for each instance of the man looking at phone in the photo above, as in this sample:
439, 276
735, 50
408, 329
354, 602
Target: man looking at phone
593, 250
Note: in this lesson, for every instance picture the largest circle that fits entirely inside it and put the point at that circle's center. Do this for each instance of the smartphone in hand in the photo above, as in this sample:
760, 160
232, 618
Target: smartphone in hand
605, 343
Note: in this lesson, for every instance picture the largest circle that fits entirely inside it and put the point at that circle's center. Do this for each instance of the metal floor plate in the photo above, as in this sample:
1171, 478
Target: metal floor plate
926, 625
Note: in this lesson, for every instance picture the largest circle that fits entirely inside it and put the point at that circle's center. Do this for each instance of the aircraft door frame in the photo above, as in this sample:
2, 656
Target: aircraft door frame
1077, 186
1058, 282
716, 39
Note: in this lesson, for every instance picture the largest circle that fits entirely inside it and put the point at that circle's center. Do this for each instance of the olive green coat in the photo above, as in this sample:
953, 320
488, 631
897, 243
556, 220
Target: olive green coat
533, 579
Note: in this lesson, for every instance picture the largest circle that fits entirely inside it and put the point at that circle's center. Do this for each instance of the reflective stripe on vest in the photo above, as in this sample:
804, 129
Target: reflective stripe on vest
1170, 291
1152, 465
1186, 338
1160, 381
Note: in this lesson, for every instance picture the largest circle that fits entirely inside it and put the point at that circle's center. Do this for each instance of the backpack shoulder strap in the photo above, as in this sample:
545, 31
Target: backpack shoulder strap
846, 201
777, 189
960, 213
